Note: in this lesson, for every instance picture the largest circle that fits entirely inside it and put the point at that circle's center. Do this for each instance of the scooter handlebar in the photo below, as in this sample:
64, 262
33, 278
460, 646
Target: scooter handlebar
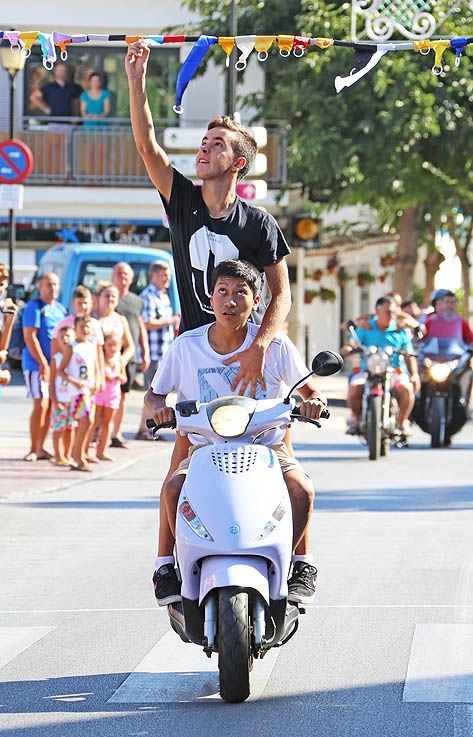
152, 425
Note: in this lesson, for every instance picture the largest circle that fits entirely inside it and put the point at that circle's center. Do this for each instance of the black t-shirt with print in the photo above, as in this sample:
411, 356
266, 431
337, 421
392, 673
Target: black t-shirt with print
200, 242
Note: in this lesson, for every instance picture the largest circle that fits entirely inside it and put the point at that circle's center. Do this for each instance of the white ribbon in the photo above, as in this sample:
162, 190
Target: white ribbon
246, 44
342, 82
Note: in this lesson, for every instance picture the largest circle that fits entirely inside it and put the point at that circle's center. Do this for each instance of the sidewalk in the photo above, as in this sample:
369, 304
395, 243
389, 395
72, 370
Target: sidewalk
20, 478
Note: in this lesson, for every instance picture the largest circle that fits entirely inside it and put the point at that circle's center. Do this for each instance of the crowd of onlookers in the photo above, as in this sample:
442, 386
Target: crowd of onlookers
79, 367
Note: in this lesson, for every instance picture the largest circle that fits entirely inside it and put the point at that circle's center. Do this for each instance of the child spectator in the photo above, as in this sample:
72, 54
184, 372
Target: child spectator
80, 360
82, 305
108, 401
62, 424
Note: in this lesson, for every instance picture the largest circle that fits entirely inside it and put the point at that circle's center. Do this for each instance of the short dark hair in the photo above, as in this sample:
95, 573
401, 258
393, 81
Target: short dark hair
82, 318
384, 301
243, 143
81, 291
238, 270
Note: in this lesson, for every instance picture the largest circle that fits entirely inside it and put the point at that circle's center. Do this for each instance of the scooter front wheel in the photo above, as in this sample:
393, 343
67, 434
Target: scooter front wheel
438, 422
234, 656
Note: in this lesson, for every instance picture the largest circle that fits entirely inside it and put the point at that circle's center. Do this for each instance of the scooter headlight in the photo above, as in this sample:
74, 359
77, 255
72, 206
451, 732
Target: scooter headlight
377, 363
187, 513
229, 416
273, 521
440, 371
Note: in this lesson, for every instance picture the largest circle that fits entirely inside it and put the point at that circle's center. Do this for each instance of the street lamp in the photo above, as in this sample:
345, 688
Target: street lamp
12, 62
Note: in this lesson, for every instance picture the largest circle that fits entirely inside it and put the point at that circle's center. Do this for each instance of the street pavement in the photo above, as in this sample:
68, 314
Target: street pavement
386, 649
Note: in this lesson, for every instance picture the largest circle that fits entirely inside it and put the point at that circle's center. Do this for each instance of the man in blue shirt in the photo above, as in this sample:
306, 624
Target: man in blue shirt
383, 332
39, 318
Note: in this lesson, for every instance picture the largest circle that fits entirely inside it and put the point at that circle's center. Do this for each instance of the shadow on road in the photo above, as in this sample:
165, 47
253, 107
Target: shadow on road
402, 499
78, 707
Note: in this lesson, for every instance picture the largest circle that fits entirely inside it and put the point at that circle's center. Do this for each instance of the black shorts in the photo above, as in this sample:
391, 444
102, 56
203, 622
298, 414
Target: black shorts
131, 373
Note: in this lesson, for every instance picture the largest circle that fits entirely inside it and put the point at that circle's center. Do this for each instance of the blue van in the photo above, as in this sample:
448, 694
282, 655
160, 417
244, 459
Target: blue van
91, 263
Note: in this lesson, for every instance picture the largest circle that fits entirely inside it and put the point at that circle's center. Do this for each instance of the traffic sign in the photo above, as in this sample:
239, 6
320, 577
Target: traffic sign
16, 161
11, 196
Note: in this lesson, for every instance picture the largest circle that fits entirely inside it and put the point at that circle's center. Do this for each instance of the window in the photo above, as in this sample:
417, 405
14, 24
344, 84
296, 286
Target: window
108, 61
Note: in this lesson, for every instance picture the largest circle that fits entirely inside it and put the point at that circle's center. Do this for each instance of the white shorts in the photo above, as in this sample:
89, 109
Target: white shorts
35, 388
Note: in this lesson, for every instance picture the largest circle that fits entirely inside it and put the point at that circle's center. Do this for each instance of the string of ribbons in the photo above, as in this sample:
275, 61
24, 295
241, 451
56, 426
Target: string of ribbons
367, 55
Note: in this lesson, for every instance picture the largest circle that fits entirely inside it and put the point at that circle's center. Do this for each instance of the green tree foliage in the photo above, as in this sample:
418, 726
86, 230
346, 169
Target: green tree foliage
399, 140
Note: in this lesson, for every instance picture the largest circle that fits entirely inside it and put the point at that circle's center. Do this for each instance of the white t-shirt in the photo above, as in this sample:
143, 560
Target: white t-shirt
62, 387
195, 371
82, 366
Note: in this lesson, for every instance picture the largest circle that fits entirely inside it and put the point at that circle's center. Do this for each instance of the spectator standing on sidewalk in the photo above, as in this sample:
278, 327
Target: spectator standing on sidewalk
131, 307
39, 319
6, 324
161, 322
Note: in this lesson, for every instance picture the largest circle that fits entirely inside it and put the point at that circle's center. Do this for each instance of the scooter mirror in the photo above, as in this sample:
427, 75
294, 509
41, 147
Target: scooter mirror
327, 363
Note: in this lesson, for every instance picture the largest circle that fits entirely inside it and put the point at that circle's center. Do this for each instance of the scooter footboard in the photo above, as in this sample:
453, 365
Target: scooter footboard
247, 571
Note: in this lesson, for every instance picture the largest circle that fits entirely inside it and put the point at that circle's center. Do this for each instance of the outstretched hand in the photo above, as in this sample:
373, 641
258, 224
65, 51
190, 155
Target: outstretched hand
251, 369
136, 60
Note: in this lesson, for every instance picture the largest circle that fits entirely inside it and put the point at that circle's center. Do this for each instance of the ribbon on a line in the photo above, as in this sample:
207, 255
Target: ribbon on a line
367, 60
190, 66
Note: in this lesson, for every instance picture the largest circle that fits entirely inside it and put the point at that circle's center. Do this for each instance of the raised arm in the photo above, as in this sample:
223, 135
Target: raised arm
154, 157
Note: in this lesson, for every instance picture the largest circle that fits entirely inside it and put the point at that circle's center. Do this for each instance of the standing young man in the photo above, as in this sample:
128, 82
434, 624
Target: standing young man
131, 307
208, 225
161, 323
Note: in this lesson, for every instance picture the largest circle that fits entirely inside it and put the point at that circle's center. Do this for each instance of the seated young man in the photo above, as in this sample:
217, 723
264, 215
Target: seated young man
193, 367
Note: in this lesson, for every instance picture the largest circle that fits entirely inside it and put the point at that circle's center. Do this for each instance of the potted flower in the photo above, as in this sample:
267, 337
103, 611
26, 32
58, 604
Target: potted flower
327, 295
343, 276
317, 275
309, 296
365, 277
389, 259
333, 263
382, 277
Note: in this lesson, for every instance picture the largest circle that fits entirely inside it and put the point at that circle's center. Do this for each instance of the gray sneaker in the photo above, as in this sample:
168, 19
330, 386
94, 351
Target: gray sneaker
167, 587
302, 583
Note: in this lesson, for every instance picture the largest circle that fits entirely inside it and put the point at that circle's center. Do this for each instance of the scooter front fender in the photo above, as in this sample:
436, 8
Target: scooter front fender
248, 572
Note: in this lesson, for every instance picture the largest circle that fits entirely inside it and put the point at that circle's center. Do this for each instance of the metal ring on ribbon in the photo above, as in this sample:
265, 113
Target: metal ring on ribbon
178, 109
262, 55
284, 52
64, 55
298, 52
240, 65
437, 70
15, 48
424, 52
48, 64
457, 61
26, 52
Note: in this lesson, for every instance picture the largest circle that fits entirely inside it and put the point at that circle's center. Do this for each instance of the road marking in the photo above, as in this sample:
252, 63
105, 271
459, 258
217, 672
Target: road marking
174, 671
463, 721
440, 664
14, 640
163, 610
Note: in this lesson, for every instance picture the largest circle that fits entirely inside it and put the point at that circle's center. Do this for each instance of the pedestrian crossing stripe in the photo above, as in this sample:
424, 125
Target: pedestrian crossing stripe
15, 640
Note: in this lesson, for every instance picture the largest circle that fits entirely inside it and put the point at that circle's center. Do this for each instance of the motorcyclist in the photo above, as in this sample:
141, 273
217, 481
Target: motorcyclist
195, 369
445, 322
383, 332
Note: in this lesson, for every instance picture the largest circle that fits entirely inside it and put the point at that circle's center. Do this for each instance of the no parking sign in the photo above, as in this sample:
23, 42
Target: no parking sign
16, 161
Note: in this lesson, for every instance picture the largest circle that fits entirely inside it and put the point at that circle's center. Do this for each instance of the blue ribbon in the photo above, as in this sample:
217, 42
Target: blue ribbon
155, 39
190, 66
458, 44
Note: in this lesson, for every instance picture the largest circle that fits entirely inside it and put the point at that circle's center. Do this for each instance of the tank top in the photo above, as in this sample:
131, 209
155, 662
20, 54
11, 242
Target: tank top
82, 365
112, 325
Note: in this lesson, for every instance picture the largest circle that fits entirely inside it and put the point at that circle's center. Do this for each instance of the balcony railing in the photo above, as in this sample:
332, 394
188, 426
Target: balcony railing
68, 153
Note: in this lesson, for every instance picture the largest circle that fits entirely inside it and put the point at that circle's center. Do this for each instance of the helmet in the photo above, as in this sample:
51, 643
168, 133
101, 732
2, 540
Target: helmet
438, 294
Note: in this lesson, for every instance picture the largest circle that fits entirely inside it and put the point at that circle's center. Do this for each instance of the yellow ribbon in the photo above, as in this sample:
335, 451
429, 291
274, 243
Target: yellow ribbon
264, 43
227, 43
424, 44
285, 44
28, 38
324, 43
439, 47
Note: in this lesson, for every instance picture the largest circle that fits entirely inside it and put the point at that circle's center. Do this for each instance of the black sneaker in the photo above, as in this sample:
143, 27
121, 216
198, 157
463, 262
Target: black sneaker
167, 587
302, 583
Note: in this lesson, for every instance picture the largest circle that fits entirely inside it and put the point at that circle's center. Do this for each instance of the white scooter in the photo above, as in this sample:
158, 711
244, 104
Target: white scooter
234, 532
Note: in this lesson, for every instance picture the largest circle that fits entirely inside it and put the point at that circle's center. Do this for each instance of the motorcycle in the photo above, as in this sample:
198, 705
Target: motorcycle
379, 410
234, 532
446, 374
